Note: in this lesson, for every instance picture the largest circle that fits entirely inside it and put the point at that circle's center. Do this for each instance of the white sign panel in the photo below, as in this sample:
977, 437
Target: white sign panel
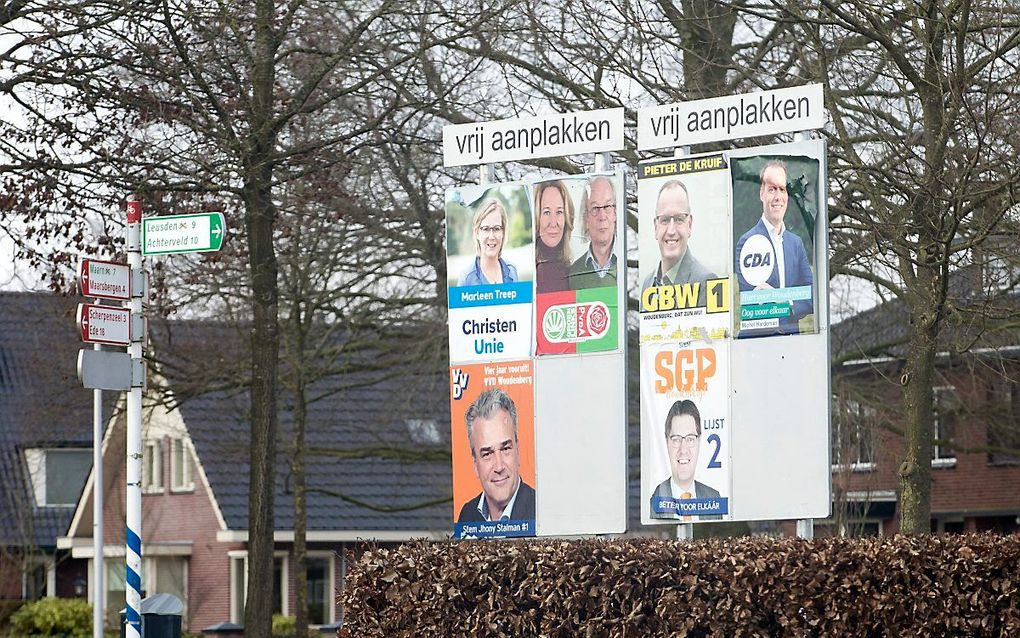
101, 370
530, 137
104, 324
175, 234
799, 108
105, 279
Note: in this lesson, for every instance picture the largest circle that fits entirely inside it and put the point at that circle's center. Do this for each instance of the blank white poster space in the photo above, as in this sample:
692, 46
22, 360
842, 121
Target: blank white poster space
780, 433
580, 445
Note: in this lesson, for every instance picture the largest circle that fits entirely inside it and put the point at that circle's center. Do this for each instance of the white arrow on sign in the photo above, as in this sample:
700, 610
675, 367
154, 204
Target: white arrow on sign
105, 279
104, 324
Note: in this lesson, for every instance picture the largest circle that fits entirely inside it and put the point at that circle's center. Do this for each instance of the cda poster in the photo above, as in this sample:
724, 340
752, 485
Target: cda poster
775, 191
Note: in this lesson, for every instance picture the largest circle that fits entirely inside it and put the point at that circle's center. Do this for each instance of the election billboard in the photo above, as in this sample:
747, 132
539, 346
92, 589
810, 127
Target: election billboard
684, 328
733, 379
536, 273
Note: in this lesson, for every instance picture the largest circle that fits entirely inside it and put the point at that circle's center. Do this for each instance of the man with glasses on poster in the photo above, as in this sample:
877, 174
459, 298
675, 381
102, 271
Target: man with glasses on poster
683, 439
597, 267
673, 223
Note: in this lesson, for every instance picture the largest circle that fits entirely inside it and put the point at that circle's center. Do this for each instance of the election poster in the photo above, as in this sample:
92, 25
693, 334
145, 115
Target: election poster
577, 222
776, 192
685, 324
490, 268
685, 432
684, 253
493, 445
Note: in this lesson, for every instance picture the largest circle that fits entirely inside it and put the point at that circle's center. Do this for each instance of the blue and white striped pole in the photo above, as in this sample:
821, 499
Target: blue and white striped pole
133, 533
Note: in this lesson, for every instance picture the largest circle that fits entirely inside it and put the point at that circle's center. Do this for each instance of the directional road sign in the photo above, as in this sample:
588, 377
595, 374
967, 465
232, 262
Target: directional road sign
104, 279
174, 234
104, 324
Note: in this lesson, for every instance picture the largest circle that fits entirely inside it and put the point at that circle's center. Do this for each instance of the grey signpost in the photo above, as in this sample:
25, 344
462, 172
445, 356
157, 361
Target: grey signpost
124, 326
100, 370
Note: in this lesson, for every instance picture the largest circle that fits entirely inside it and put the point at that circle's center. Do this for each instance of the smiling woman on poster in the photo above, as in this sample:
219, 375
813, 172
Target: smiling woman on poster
490, 225
554, 224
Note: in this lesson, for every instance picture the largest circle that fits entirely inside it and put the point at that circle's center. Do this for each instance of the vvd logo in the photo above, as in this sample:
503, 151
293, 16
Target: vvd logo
460, 382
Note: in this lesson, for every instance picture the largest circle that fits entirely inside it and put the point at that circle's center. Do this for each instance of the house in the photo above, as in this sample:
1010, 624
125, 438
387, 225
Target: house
377, 467
976, 458
45, 445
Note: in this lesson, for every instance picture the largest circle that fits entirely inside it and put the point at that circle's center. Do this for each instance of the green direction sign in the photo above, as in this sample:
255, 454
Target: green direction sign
174, 234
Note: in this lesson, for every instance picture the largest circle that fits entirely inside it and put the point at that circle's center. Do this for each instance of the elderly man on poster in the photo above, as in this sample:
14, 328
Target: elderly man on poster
596, 268
492, 435
673, 224
789, 263
683, 438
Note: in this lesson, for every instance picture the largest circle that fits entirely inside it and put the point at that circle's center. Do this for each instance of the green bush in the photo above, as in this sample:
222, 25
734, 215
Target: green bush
283, 626
53, 617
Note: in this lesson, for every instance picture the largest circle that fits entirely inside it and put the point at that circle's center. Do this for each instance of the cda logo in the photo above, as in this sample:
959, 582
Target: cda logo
574, 323
757, 260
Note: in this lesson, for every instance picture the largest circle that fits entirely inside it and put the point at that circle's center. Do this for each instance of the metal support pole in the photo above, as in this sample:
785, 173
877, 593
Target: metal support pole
603, 162
133, 532
98, 565
684, 531
806, 528
486, 174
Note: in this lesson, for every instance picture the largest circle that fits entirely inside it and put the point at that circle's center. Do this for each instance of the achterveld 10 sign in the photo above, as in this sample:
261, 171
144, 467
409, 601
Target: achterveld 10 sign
536, 272
731, 247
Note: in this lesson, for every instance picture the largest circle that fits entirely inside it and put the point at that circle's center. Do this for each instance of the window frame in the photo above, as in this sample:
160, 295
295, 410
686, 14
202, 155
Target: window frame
187, 483
152, 476
239, 570
939, 460
858, 414
36, 460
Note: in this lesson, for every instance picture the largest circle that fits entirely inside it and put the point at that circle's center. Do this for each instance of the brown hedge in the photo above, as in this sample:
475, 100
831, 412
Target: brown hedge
900, 586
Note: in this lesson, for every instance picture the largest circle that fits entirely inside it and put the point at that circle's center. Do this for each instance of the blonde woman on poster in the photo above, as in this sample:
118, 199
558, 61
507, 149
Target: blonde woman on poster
489, 225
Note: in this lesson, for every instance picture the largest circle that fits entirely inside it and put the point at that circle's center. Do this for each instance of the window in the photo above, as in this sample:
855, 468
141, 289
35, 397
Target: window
320, 589
851, 438
854, 528
39, 579
1001, 264
239, 584
116, 590
152, 466
180, 466
58, 475
167, 575
1004, 423
942, 452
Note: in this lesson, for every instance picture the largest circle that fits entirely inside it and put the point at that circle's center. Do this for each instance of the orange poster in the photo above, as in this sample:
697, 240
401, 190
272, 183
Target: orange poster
492, 415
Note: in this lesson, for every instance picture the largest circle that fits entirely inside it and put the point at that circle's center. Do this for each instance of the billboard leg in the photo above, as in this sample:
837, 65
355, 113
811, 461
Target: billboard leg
806, 528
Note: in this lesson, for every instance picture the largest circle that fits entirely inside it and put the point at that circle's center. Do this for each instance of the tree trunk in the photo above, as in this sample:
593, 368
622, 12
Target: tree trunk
915, 471
300, 503
260, 219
